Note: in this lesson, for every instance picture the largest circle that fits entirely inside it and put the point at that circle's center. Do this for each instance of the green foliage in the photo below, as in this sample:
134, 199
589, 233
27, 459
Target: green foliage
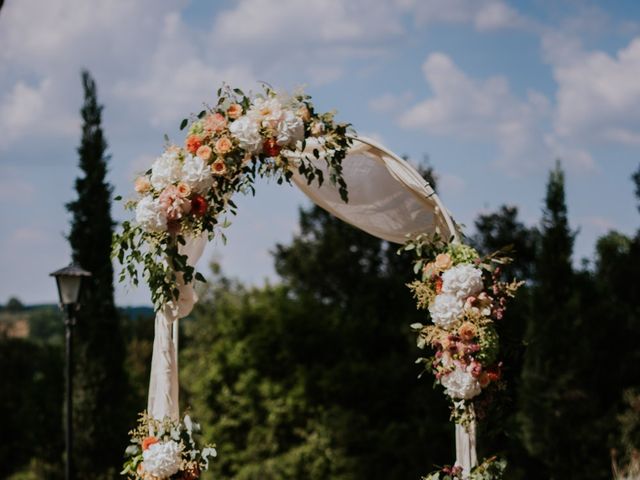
489, 469
31, 399
314, 378
100, 387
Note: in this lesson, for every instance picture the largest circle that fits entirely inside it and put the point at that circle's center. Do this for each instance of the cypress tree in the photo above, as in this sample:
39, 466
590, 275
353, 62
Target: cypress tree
100, 382
557, 414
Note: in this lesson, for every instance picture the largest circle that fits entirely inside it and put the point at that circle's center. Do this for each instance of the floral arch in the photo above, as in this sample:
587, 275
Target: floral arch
182, 202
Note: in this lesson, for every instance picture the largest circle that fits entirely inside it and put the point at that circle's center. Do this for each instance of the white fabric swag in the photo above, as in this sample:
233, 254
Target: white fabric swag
388, 199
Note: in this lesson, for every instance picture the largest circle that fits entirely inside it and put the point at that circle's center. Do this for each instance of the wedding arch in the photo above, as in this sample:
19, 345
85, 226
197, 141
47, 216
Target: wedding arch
182, 201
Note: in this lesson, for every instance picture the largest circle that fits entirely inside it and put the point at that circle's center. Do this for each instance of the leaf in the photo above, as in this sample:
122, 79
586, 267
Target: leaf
117, 198
199, 277
184, 123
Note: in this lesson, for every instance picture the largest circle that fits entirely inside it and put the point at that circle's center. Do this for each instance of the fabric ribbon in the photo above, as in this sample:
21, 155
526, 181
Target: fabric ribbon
466, 456
163, 384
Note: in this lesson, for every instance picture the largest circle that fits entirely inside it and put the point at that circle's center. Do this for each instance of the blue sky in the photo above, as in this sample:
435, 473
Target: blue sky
492, 91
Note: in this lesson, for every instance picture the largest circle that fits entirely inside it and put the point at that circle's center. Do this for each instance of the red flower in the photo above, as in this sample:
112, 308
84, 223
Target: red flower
271, 148
438, 284
199, 205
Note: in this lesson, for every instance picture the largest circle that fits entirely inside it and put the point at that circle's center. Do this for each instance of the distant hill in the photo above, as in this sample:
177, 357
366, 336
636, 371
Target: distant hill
43, 322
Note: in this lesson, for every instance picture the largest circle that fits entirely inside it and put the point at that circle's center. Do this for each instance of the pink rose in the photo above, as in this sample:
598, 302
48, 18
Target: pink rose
215, 122
174, 204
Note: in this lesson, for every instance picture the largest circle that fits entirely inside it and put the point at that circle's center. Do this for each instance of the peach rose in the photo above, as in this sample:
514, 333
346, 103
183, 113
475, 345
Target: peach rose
184, 190
218, 167
317, 129
204, 152
193, 143
173, 149
443, 261
142, 184
215, 122
430, 269
234, 111
467, 331
223, 145
304, 113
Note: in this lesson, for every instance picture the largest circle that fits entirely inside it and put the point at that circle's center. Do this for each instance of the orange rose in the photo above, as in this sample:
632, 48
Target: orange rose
234, 111
223, 145
147, 442
443, 261
142, 185
193, 143
218, 167
204, 152
467, 331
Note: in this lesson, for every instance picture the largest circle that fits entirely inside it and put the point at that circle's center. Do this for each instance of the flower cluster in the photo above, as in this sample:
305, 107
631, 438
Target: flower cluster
189, 186
490, 469
464, 297
170, 452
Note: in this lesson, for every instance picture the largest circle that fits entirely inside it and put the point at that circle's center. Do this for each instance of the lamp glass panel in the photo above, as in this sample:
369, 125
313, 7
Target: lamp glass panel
69, 289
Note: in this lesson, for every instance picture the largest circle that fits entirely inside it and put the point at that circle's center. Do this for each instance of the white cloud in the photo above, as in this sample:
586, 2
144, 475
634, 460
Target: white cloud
598, 97
313, 39
28, 109
482, 110
486, 110
176, 80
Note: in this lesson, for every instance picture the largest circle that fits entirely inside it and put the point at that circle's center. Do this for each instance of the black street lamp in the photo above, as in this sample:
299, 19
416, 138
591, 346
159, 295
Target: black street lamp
69, 281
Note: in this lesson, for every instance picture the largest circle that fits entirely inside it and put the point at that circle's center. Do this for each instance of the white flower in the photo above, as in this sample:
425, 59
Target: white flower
268, 112
462, 281
445, 310
247, 130
460, 384
197, 174
150, 214
290, 129
162, 459
165, 170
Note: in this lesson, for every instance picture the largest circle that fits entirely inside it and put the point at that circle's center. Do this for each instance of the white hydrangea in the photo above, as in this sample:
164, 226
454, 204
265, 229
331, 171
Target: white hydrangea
290, 129
445, 310
165, 170
197, 174
162, 459
150, 214
462, 281
247, 130
460, 384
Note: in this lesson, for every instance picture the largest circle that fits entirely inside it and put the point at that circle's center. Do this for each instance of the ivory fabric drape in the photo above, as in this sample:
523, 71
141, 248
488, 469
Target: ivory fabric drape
388, 198
163, 384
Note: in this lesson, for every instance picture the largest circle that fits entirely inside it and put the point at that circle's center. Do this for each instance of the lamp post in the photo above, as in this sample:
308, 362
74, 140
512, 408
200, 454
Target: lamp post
69, 282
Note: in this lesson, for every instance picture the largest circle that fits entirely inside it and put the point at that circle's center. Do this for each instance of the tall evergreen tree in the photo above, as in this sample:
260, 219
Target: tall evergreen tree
100, 382
556, 408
